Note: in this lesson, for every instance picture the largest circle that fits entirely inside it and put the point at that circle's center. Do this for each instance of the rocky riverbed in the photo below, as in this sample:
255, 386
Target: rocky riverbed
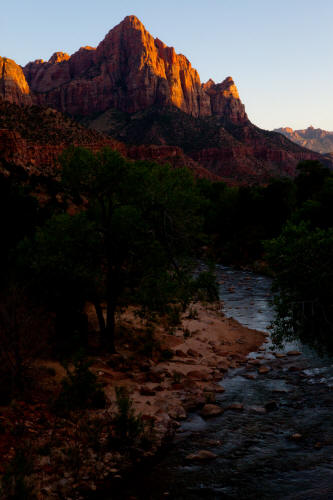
272, 433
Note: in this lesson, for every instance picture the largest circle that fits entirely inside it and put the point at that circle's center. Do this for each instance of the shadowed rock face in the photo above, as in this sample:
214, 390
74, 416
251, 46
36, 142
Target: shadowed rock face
13, 85
32, 138
241, 152
129, 71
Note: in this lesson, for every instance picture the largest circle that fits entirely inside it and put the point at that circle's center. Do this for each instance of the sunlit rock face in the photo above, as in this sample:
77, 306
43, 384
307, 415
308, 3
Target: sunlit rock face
13, 85
225, 101
130, 71
138, 90
312, 138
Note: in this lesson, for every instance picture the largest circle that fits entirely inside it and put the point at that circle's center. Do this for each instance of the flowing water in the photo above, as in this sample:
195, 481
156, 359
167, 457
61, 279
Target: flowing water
280, 446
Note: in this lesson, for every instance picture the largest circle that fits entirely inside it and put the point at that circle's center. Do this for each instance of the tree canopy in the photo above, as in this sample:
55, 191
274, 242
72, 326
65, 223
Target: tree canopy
131, 238
301, 258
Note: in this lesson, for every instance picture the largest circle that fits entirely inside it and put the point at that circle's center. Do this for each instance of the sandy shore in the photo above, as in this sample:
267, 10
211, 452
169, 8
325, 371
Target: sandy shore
203, 350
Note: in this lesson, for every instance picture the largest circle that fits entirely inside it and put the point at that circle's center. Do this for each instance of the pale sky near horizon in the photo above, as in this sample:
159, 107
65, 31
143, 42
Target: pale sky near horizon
278, 52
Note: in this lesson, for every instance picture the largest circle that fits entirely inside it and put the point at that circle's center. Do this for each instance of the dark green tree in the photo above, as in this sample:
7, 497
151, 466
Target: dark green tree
310, 179
302, 261
132, 239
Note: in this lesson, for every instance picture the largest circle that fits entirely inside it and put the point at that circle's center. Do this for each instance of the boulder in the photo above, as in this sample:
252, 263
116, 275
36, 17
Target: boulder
180, 353
257, 409
199, 375
236, 407
264, 369
254, 362
177, 413
201, 456
144, 391
210, 410
296, 437
193, 353
271, 406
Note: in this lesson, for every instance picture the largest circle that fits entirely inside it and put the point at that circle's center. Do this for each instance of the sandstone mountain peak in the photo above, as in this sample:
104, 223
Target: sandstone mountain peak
313, 138
130, 70
127, 25
86, 47
133, 21
225, 100
209, 83
141, 91
58, 57
13, 85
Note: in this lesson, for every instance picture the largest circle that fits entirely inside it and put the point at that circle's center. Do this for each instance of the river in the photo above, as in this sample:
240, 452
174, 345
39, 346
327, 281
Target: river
280, 446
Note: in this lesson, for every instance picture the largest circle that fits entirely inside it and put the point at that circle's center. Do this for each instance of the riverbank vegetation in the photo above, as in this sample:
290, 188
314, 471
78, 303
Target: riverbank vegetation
284, 228
110, 239
301, 258
112, 234
122, 233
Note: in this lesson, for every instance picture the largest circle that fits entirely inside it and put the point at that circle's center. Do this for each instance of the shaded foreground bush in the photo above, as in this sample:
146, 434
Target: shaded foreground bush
80, 389
129, 428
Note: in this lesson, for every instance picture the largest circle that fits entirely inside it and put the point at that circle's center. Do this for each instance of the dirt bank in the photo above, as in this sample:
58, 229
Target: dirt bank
69, 457
203, 349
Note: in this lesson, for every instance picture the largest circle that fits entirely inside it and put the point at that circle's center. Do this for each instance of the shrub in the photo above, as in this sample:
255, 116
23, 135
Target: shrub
174, 316
166, 354
127, 426
15, 483
192, 313
130, 430
80, 388
186, 333
176, 377
148, 344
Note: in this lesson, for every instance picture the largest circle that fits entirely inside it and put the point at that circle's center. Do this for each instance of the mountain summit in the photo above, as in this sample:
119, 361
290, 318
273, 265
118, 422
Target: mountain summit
312, 138
129, 71
141, 92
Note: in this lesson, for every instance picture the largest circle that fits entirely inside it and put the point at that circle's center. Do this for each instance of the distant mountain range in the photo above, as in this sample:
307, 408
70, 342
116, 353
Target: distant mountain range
312, 138
137, 90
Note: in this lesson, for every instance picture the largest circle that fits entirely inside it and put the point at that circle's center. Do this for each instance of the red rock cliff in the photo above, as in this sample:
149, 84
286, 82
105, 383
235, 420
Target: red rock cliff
225, 101
13, 85
313, 138
33, 138
129, 71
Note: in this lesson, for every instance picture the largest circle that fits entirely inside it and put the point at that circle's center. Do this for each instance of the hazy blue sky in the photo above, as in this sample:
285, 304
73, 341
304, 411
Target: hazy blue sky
279, 52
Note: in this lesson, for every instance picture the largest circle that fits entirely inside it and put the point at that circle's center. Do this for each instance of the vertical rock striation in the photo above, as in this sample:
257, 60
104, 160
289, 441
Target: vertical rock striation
130, 71
13, 85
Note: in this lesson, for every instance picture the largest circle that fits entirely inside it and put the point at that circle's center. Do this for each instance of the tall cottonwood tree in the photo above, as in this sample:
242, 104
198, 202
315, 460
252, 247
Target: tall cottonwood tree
132, 240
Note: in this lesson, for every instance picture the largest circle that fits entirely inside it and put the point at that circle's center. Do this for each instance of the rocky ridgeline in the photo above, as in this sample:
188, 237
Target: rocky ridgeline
140, 91
313, 138
130, 71
32, 137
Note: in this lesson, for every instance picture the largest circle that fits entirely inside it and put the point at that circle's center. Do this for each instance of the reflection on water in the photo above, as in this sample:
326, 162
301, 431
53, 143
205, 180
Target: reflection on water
246, 297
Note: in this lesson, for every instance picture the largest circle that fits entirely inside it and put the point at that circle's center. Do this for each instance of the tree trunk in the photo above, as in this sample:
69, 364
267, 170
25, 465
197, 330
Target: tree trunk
112, 291
109, 333
100, 317
111, 303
